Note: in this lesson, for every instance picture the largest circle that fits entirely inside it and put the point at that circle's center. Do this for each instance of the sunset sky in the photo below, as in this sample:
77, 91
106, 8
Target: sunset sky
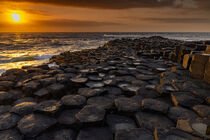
105, 15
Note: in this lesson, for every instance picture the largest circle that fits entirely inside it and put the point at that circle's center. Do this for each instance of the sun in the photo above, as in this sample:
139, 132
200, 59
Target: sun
16, 17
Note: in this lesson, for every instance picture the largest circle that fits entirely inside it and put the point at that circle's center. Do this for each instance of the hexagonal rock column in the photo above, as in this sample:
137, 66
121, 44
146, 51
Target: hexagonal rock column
127, 104
8, 120
134, 134
155, 105
33, 124
61, 134
154, 121
98, 133
207, 72
90, 114
10, 134
184, 50
197, 67
187, 60
117, 122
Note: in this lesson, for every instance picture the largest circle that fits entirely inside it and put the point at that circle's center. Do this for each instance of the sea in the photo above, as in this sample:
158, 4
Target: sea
26, 49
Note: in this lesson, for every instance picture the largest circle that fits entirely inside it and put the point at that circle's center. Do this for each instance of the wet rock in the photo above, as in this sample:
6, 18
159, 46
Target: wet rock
150, 87
42, 92
164, 89
151, 121
14, 72
67, 117
10, 134
127, 104
134, 134
64, 78
200, 128
8, 120
88, 92
31, 86
131, 90
5, 85
73, 100
48, 106
95, 78
56, 89
16, 94
33, 124
47, 81
79, 80
176, 113
109, 82
24, 100
186, 99
101, 101
117, 122
159, 69
39, 77
175, 134
202, 93
95, 84
208, 100
23, 108
5, 97
184, 125
90, 113
202, 110
145, 77
114, 90
62, 134
97, 133
155, 105
148, 93
4, 109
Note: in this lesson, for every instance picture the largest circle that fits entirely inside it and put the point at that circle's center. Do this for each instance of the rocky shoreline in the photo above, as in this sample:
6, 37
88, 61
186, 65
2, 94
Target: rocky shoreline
142, 89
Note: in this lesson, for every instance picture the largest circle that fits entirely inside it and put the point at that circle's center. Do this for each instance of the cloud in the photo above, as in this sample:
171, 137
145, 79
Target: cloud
64, 23
104, 4
73, 23
123, 4
179, 20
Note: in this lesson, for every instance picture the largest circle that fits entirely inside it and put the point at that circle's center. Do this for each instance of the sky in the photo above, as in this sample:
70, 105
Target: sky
105, 15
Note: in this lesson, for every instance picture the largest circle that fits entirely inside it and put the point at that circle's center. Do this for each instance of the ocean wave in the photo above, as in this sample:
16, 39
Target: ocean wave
2, 71
26, 58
